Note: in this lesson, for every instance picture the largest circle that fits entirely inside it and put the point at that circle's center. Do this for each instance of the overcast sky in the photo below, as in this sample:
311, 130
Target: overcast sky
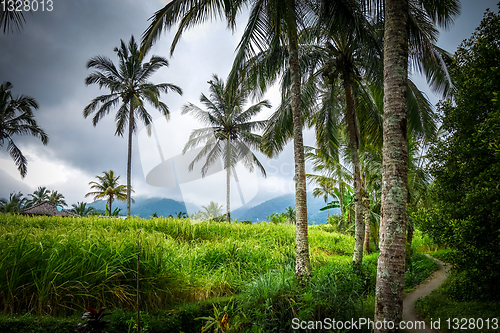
47, 60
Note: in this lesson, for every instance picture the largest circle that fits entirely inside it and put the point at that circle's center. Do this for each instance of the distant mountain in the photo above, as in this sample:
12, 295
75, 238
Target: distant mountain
145, 207
260, 212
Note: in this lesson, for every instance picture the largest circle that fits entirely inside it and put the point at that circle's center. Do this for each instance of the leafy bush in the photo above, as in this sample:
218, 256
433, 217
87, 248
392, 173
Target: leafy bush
465, 164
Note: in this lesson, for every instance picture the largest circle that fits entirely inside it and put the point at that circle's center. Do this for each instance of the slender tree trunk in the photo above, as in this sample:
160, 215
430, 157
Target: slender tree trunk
129, 159
391, 261
366, 246
366, 204
341, 199
228, 180
110, 202
352, 133
303, 263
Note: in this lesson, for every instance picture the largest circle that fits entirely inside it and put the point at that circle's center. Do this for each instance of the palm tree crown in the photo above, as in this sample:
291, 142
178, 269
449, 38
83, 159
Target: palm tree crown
129, 88
40, 195
81, 209
108, 186
57, 199
16, 118
229, 134
15, 203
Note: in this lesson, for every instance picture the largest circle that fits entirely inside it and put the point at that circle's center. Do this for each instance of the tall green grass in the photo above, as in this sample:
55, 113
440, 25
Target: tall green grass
52, 265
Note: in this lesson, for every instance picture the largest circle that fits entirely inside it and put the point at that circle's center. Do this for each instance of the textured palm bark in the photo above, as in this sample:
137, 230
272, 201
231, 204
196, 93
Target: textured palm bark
391, 261
366, 204
129, 158
303, 263
109, 205
341, 199
353, 143
228, 181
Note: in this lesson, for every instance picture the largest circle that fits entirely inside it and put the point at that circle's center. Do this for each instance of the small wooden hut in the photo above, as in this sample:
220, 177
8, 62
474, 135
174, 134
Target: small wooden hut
46, 208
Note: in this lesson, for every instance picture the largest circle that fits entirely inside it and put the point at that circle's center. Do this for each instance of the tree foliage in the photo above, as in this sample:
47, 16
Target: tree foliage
17, 118
129, 87
466, 163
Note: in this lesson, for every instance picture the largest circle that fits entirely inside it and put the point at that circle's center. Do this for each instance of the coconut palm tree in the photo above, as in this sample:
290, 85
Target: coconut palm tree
229, 134
10, 20
17, 118
212, 210
108, 187
272, 23
81, 209
57, 199
129, 88
399, 38
15, 203
40, 195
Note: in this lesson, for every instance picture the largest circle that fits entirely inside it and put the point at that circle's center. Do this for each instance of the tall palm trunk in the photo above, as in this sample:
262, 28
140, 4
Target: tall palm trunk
352, 133
341, 193
303, 263
110, 201
129, 159
366, 204
391, 261
228, 179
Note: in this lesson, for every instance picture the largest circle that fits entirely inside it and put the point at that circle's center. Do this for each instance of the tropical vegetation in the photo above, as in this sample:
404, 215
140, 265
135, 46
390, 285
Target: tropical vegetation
17, 118
403, 185
129, 88
108, 187
465, 164
58, 266
230, 135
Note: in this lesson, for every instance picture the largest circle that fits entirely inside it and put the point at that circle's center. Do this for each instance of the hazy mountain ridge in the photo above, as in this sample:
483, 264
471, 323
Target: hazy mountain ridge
260, 212
145, 207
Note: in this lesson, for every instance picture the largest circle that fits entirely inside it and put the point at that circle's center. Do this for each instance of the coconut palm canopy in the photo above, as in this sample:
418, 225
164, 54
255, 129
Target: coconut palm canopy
54, 78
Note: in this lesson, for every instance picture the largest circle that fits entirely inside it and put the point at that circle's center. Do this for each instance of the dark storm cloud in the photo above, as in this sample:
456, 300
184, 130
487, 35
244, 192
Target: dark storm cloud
47, 61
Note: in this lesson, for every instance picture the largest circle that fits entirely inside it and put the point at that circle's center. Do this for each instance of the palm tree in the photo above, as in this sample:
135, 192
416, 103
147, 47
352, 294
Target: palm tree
291, 214
272, 23
212, 210
129, 88
391, 261
108, 186
16, 117
229, 134
40, 195
81, 209
10, 19
57, 199
15, 203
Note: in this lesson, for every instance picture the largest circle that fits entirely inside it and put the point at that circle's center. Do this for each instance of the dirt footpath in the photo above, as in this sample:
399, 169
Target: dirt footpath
420, 291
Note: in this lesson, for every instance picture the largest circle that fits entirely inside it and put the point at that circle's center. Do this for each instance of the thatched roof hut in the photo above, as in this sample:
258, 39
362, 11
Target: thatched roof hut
46, 208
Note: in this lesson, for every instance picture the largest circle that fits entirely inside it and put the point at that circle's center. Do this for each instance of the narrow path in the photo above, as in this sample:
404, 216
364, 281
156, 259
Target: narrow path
423, 289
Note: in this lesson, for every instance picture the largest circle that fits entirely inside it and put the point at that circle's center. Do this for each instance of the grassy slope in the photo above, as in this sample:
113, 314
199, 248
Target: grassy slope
55, 264
58, 265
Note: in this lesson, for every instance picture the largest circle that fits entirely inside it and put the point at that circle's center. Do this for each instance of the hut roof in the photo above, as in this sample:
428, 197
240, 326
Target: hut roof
46, 208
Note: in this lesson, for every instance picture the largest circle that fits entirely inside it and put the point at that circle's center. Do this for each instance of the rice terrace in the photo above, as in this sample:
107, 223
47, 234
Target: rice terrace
249, 166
